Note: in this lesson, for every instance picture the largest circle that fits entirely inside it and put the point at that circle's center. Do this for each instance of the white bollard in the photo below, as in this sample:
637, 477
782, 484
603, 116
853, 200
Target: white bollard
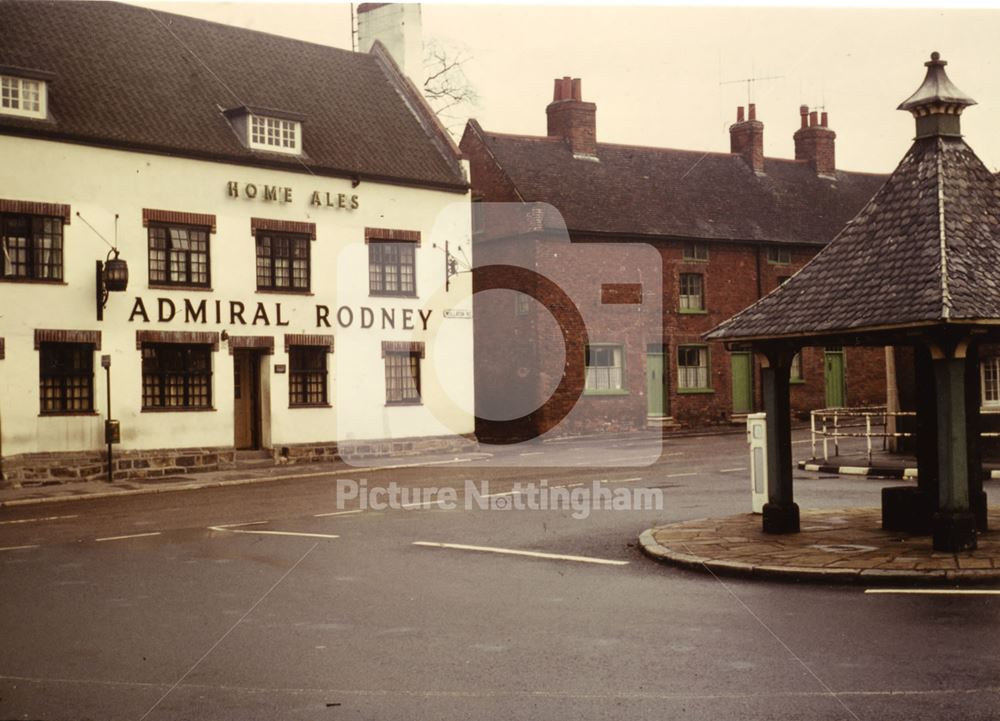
757, 438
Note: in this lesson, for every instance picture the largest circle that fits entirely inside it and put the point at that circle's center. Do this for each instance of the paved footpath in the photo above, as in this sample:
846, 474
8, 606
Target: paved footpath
844, 545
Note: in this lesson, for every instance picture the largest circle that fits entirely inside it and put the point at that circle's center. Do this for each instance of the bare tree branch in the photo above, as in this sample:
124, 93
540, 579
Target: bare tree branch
446, 86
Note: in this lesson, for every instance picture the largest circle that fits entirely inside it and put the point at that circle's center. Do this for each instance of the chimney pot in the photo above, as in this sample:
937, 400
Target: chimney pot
572, 119
814, 142
746, 138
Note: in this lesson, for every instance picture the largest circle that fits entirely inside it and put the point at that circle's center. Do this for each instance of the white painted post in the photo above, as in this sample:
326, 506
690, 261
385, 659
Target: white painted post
868, 435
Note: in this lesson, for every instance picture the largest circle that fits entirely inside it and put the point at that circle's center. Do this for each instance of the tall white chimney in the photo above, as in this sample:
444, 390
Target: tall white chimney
398, 27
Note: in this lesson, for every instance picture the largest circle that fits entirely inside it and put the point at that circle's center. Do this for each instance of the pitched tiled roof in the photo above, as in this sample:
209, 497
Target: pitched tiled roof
924, 250
680, 193
132, 77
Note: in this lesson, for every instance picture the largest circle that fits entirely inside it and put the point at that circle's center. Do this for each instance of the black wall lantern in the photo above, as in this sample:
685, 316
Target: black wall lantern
111, 276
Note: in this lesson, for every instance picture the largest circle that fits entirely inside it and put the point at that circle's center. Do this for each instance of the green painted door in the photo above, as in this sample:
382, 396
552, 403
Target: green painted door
834, 376
742, 382
654, 385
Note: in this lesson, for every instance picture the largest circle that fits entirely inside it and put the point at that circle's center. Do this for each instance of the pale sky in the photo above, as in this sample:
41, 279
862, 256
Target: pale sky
656, 72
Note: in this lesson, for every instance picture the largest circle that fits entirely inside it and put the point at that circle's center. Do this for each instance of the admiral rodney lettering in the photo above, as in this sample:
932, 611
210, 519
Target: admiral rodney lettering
234, 312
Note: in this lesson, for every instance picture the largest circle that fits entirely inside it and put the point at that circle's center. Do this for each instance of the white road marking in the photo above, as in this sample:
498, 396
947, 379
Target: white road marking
17, 548
806, 440
506, 493
640, 460
337, 513
122, 538
533, 453
680, 475
936, 591
732, 470
423, 504
274, 533
530, 554
625, 480
36, 520
237, 525
571, 485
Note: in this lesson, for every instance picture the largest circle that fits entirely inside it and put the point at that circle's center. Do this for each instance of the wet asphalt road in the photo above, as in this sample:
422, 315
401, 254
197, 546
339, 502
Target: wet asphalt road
160, 607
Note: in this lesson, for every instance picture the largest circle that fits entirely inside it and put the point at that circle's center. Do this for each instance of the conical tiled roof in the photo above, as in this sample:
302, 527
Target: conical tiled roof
925, 250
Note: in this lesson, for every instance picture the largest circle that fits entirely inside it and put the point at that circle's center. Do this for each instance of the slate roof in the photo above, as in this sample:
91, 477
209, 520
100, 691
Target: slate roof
637, 190
141, 79
923, 251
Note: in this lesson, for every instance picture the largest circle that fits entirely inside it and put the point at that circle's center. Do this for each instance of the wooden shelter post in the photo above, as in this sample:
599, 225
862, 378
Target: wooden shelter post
973, 428
953, 526
781, 514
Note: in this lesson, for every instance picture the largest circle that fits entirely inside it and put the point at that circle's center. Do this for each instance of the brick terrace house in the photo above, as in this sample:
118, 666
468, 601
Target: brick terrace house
728, 228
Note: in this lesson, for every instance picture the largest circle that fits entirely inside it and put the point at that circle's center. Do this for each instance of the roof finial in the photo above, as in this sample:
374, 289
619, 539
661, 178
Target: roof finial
937, 103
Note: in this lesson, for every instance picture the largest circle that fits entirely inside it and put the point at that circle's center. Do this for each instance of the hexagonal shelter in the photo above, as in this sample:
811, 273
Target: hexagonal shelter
917, 267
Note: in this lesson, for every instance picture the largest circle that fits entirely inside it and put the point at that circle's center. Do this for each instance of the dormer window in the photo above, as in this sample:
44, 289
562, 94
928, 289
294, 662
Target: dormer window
274, 134
275, 131
23, 95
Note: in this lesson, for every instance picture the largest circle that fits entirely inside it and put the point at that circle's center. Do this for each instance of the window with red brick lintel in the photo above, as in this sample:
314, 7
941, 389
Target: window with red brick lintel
392, 261
32, 247
66, 378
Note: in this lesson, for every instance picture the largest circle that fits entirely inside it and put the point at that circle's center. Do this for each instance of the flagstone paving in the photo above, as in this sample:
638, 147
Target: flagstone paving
834, 545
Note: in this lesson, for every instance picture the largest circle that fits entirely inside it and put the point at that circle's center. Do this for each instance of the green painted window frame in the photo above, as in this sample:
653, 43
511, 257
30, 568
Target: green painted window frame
700, 295
986, 382
690, 252
778, 251
682, 388
622, 390
796, 379
522, 303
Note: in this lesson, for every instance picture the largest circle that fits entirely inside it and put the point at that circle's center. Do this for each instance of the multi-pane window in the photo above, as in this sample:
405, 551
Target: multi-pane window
522, 303
692, 368
796, 372
276, 134
178, 254
176, 375
21, 96
990, 368
402, 377
307, 376
779, 256
695, 251
32, 247
282, 261
604, 367
692, 292
66, 377
392, 268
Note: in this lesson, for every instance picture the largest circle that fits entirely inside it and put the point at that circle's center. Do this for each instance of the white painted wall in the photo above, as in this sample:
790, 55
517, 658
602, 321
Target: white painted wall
99, 183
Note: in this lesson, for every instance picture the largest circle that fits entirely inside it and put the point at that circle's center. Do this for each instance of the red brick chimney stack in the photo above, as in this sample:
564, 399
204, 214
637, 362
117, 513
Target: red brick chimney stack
572, 119
814, 141
746, 138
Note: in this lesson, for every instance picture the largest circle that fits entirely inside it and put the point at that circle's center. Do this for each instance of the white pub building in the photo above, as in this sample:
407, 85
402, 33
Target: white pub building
283, 209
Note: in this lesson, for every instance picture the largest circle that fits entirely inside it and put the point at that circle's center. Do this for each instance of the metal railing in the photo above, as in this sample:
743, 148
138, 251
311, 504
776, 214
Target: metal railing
833, 424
